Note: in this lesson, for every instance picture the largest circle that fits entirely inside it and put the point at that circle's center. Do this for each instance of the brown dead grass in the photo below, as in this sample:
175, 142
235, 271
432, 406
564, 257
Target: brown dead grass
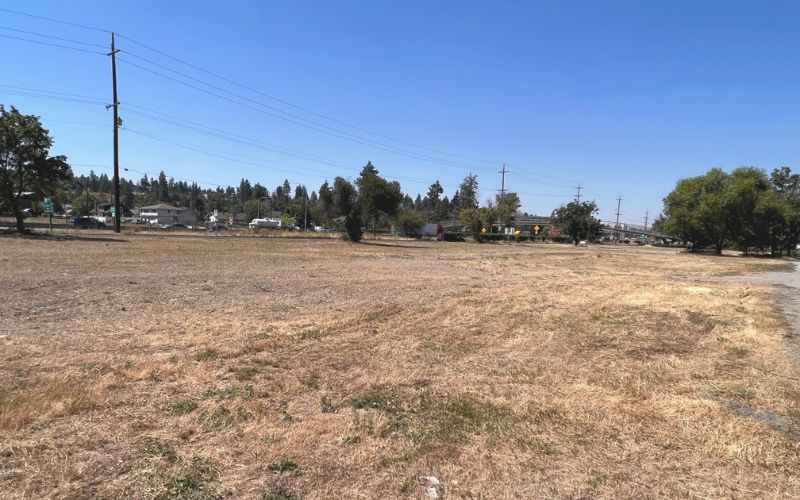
198, 367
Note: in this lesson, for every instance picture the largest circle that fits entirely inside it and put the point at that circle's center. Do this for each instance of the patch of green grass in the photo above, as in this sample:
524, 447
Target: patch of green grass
451, 418
312, 334
741, 392
285, 465
207, 355
161, 450
186, 487
531, 443
204, 468
222, 417
182, 406
326, 405
244, 373
351, 440
378, 397
279, 493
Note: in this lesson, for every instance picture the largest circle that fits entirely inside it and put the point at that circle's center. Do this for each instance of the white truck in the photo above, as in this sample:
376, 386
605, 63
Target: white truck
265, 224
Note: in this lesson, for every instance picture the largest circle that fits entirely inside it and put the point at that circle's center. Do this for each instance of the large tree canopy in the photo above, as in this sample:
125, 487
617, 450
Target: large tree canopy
377, 195
577, 220
25, 164
744, 208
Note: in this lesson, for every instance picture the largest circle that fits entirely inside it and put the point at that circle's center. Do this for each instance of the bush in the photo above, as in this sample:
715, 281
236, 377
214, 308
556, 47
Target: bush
409, 223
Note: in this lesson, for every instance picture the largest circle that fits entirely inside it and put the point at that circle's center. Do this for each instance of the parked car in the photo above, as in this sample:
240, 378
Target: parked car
173, 227
85, 223
216, 228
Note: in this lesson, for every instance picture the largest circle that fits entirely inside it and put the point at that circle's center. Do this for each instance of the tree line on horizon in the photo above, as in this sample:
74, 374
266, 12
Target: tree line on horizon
369, 201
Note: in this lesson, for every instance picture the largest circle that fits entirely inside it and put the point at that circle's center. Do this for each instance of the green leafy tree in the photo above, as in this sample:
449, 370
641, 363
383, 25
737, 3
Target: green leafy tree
251, 209
695, 210
467, 193
752, 210
787, 188
409, 223
345, 198
577, 220
476, 220
163, 188
25, 164
376, 195
507, 206
431, 203
325, 204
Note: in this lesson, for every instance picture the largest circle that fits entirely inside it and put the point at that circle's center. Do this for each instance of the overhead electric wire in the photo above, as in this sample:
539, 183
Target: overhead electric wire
51, 97
52, 20
310, 124
250, 160
319, 127
79, 42
53, 44
245, 87
301, 108
257, 162
214, 132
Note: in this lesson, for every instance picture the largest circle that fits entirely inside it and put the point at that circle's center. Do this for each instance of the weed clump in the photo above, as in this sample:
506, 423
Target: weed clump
182, 407
161, 450
285, 465
207, 355
279, 493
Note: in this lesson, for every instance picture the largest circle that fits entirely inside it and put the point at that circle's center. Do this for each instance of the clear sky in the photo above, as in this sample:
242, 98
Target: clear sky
623, 97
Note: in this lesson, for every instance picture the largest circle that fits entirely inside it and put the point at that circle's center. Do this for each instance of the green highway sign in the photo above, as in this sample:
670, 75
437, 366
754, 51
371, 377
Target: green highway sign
48, 205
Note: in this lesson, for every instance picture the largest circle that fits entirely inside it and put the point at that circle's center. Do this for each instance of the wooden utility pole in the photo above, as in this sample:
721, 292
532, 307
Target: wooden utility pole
503, 181
115, 106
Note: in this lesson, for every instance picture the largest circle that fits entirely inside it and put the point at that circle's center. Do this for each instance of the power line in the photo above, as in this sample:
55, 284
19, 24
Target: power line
53, 45
197, 68
52, 20
51, 97
79, 42
14, 87
249, 160
295, 106
213, 132
310, 124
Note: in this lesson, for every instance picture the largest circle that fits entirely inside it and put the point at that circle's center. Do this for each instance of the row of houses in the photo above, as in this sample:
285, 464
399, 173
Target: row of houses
164, 213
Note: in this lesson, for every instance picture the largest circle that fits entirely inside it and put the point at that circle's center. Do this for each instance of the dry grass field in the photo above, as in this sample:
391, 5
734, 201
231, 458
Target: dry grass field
184, 367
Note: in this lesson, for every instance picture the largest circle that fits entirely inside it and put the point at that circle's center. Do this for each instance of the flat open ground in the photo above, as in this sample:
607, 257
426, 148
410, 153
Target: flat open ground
179, 366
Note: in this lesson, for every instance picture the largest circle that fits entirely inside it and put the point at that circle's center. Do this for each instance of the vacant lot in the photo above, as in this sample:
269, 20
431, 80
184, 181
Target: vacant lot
199, 367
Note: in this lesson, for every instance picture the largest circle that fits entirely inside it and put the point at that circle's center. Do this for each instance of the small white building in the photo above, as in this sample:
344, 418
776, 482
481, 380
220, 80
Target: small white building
167, 214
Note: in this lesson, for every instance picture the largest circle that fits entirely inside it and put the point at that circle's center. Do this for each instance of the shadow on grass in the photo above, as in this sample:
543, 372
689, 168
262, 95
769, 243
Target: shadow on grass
377, 243
60, 237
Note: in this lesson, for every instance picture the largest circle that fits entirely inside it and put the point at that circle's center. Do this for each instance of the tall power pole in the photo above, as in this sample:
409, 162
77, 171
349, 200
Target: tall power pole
503, 180
578, 196
115, 105
619, 203
646, 219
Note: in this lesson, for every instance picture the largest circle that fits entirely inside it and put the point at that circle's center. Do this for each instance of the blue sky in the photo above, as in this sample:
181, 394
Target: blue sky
623, 97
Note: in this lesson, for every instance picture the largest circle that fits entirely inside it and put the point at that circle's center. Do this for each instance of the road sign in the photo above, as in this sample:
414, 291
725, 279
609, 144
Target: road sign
536, 229
113, 210
48, 205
